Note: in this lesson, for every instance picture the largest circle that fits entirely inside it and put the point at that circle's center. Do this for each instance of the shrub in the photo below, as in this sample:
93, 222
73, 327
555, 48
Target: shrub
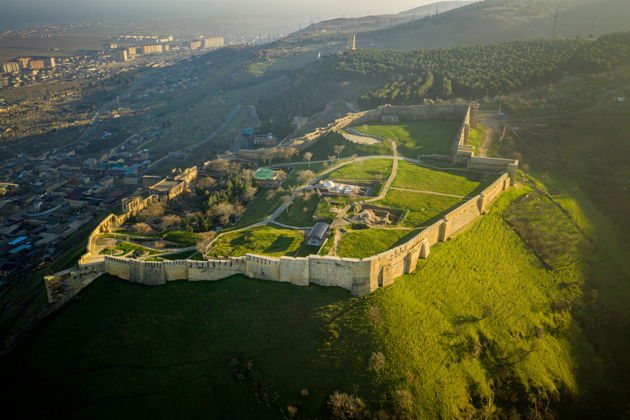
403, 403
376, 362
346, 407
374, 315
359, 226
142, 227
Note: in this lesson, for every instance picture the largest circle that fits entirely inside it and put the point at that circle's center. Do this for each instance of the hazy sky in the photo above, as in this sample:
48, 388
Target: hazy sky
21, 12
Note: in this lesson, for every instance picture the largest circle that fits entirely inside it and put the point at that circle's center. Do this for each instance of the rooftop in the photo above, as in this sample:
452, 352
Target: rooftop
266, 173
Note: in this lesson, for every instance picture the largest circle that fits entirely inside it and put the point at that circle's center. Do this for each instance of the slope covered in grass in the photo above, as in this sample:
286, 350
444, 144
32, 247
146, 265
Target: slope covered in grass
481, 329
416, 137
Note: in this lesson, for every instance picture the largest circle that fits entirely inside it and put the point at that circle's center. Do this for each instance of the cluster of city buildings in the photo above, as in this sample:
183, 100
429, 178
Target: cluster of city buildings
47, 197
161, 45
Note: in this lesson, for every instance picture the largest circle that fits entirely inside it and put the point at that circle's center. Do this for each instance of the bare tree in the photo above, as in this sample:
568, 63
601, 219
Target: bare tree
206, 240
304, 176
339, 149
153, 211
307, 157
142, 227
286, 200
289, 152
206, 182
170, 222
224, 211
249, 193
219, 165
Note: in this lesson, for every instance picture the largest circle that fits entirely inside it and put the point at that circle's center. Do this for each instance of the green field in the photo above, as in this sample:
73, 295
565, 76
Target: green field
422, 208
184, 238
417, 137
265, 241
325, 148
259, 209
300, 213
364, 170
368, 242
417, 177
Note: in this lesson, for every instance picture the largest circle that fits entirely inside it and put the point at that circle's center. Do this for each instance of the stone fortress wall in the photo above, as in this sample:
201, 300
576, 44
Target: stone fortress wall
404, 112
359, 276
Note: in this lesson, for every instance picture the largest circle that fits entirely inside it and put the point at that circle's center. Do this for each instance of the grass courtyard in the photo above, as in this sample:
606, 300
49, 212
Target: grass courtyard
416, 137
325, 148
367, 242
422, 209
300, 212
416, 177
264, 240
364, 170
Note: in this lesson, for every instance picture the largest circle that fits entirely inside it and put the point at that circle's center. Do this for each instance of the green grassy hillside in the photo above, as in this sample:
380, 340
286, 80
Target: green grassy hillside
482, 328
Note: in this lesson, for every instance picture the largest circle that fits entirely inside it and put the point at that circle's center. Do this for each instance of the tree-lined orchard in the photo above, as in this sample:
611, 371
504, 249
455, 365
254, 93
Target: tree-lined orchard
385, 76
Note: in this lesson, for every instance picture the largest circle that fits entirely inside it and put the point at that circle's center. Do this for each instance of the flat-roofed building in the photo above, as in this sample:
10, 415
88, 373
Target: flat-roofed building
265, 140
23, 62
36, 64
213, 42
11, 67
195, 45
152, 49
121, 55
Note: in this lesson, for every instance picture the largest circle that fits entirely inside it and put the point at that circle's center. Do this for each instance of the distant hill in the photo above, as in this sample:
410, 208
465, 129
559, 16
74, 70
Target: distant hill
466, 23
368, 23
504, 20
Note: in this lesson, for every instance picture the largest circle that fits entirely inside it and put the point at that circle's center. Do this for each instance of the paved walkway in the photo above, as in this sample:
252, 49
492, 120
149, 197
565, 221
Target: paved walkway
391, 178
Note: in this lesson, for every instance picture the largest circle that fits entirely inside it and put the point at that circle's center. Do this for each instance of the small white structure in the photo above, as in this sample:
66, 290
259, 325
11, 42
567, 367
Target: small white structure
339, 189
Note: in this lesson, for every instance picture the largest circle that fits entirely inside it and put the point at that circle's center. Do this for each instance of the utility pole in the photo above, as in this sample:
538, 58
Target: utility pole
555, 24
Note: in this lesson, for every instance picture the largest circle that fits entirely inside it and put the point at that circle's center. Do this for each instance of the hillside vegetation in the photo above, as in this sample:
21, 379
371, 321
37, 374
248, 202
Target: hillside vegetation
502, 339
376, 77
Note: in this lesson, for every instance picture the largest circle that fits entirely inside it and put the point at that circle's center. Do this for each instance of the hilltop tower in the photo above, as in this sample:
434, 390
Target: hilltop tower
352, 43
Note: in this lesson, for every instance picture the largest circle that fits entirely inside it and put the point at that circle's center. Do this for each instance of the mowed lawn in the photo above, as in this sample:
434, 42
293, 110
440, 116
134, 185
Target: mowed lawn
367, 242
365, 170
417, 177
300, 212
416, 137
423, 208
262, 240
